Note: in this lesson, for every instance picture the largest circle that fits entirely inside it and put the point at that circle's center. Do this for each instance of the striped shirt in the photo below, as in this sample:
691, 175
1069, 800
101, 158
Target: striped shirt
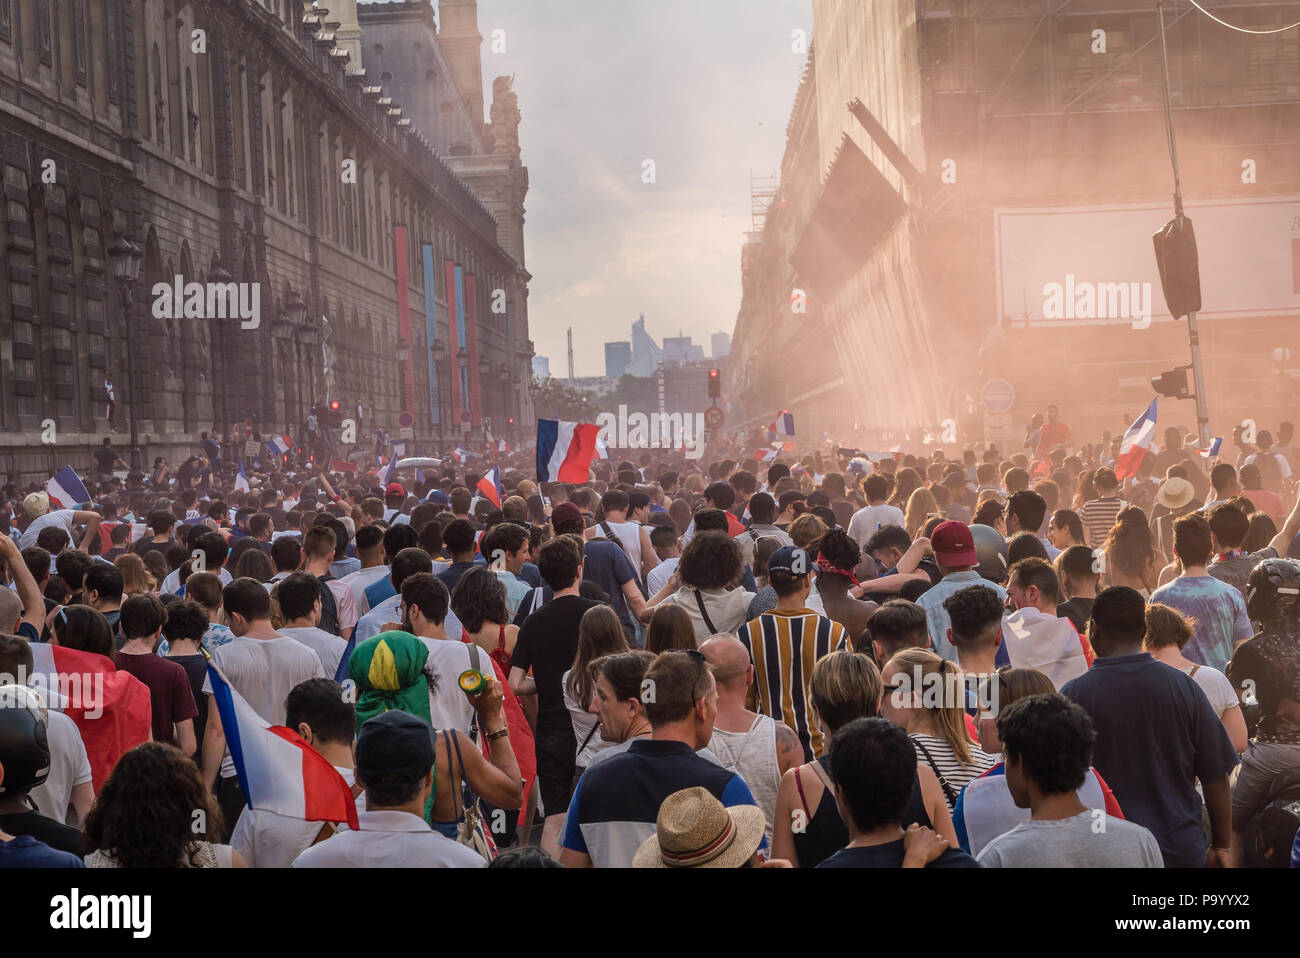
1097, 517
946, 766
784, 647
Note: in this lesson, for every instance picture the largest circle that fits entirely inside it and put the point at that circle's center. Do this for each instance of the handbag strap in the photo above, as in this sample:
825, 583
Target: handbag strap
699, 600
947, 789
590, 735
453, 743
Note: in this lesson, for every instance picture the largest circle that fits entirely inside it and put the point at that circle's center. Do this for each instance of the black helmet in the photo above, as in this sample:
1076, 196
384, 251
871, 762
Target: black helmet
992, 550
1273, 590
24, 747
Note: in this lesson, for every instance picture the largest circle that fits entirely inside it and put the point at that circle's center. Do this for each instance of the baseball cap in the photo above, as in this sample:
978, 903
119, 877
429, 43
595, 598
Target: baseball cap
565, 512
439, 497
394, 744
954, 544
786, 559
394, 489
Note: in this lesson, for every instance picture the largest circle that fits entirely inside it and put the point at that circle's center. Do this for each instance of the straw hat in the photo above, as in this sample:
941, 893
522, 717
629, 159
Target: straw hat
695, 830
1174, 493
36, 505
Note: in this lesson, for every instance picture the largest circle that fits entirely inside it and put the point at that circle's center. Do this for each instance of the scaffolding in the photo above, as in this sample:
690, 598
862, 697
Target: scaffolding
763, 191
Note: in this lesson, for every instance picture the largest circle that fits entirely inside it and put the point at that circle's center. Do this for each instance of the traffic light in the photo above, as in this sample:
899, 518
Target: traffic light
1180, 274
1172, 383
336, 417
715, 383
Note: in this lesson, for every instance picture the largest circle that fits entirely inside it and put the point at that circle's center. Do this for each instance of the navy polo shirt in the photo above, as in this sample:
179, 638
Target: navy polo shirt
616, 804
1156, 733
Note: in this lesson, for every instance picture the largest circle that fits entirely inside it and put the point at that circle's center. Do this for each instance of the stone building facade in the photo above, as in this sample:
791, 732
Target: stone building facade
242, 141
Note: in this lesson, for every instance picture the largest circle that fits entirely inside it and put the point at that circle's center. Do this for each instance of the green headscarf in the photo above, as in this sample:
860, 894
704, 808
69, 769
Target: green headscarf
389, 672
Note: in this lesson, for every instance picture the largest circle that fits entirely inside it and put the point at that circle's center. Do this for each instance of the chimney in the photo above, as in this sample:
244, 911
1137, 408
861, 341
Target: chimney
348, 35
462, 44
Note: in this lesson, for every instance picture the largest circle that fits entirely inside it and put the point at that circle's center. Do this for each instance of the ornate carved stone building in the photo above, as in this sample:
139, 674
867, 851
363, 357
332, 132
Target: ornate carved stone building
257, 142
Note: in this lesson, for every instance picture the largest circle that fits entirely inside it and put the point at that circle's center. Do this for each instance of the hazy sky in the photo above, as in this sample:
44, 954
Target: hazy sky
702, 87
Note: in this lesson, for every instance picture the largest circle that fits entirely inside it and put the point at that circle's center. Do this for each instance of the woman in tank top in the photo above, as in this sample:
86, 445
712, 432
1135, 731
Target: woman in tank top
807, 828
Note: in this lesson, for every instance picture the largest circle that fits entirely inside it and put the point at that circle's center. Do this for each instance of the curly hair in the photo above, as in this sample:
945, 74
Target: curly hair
152, 810
710, 561
842, 551
1052, 738
479, 597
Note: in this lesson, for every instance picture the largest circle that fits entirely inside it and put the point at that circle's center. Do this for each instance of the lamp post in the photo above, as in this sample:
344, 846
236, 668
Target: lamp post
295, 314
125, 257
219, 274
440, 357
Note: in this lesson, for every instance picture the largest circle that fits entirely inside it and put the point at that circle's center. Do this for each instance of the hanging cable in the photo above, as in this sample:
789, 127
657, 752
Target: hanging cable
1232, 26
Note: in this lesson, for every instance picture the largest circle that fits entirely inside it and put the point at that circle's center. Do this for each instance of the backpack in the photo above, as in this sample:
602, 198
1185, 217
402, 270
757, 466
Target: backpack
1268, 837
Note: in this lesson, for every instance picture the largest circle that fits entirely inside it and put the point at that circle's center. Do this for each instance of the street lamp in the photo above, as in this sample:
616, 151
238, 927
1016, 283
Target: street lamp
403, 351
125, 257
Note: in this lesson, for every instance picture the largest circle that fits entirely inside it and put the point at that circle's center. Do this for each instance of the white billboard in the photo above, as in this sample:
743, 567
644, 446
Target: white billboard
1096, 265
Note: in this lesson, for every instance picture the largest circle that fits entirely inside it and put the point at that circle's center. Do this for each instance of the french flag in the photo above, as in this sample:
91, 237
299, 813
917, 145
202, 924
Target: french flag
66, 490
241, 481
1215, 445
503, 446
278, 771
280, 444
764, 455
399, 451
783, 426
490, 486
565, 450
1139, 437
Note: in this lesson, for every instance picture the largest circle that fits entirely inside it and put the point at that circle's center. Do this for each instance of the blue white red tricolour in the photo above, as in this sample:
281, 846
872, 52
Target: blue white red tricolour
279, 444
241, 481
565, 450
1139, 437
489, 486
399, 450
66, 490
1215, 445
278, 771
783, 425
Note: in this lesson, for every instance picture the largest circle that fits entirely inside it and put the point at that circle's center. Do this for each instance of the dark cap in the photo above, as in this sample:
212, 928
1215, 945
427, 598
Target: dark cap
954, 544
788, 559
565, 513
394, 744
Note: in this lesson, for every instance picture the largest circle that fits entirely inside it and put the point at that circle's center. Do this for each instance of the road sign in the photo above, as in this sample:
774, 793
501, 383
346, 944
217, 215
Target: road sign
252, 450
714, 417
406, 432
998, 396
406, 420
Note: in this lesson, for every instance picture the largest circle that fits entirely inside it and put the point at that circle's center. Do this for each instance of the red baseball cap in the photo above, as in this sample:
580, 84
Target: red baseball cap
395, 489
953, 544
565, 513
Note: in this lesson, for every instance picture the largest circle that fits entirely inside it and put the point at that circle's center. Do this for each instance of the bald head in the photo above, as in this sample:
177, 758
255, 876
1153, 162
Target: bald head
11, 610
729, 660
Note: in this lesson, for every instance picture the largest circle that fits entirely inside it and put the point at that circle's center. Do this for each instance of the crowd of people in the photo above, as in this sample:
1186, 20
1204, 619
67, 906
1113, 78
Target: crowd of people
1035, 658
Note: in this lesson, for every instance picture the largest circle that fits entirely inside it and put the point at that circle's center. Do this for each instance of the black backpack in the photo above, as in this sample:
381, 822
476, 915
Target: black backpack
1270, 834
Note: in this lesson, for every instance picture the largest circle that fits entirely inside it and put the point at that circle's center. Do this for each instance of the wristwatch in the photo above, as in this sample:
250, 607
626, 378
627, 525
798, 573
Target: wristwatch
499, 733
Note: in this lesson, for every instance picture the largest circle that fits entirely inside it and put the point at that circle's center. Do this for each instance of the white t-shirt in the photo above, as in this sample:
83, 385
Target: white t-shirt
389, 839
658, 577
868, 519
1216, 686
172, 584
263, 671
448, 707
60, 518
328, 647
583, 722
268, 840
361, 580
69, 767
629, 533
728, 608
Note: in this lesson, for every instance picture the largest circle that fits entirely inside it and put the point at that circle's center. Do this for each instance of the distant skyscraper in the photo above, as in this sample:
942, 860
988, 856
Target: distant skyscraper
646, 354
679, 350
721, 345
541, 368
618, 357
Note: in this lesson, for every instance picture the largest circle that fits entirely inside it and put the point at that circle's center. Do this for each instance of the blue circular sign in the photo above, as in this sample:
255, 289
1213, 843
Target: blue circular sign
998, 396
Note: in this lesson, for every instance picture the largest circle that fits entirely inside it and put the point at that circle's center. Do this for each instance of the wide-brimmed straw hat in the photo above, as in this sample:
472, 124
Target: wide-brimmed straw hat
695, 830
1174, 493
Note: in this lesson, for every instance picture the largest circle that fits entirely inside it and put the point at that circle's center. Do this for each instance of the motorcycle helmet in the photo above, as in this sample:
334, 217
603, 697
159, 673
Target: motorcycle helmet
992, 549
1273, 590
24, 746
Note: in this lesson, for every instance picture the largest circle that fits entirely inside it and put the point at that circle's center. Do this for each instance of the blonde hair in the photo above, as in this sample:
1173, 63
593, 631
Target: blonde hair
950, 717
845, 686
136, 579
806, 530
920, 506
